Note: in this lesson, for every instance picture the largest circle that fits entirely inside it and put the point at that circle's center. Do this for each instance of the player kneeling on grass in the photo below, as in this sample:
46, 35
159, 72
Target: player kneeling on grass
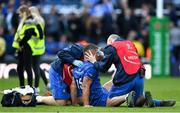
88, 84
60, 81
128, 77
67, 96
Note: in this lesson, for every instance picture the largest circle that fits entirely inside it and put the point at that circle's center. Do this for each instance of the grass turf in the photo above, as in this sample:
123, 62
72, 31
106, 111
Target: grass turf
161, 88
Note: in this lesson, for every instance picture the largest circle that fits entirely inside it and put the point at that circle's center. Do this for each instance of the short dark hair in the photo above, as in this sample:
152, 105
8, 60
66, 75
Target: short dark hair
90, 47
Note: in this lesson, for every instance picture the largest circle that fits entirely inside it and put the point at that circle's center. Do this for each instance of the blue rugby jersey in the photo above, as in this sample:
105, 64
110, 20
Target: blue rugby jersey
98, 95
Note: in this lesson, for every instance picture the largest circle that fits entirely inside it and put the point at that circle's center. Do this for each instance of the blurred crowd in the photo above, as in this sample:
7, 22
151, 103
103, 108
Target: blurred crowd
92, 21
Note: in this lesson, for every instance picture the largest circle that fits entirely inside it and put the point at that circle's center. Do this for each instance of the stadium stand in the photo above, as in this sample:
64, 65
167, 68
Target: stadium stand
69, 21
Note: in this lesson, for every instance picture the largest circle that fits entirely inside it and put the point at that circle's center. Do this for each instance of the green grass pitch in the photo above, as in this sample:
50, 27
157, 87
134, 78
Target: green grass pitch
161, 88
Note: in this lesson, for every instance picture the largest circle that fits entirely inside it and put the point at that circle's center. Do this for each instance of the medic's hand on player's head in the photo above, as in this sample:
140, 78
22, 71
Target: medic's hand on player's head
100, 55
90, 57
77, 63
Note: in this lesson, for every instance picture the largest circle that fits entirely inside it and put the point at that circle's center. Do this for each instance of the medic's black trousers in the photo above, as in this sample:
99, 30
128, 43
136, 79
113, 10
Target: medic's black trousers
24, 63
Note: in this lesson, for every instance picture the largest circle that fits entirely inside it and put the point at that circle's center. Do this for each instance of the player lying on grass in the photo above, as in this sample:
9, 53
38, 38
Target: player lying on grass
88, 84
123, 54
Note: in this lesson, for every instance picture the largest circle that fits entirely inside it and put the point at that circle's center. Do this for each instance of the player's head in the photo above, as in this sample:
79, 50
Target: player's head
34, 11
23, 10
94, 50
112, 38
36, 14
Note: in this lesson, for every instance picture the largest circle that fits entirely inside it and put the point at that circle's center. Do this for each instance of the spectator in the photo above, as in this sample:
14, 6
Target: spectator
144, 34
89, 3
12, 20
9, 40
74, 26
63, 24
2, 18
127, 22
52, 23
175, 40
172, 15
51, 48
176, 3
9, 18
63, 42
137, 42
107, 25
101, 8
93, 27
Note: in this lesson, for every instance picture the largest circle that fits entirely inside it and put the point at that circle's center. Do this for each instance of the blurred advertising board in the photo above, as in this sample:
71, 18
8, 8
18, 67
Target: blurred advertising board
9, 69
159, 43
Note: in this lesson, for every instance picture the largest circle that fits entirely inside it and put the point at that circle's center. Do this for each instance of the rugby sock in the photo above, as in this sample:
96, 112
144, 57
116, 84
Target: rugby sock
36, 90
48, 86
157, 103
126, 96
39, 99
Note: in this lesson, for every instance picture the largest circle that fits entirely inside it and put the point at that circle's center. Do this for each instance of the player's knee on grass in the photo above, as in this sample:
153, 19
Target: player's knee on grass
109, 102
114, 103
62, 102
140, 101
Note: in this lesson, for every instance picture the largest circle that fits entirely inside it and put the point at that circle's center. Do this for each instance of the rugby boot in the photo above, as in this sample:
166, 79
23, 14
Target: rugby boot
149, 99
167, 103
130, 99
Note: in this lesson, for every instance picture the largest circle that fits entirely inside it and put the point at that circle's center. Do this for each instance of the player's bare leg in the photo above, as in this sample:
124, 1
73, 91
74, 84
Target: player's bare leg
108, 85
63, 102
48, 100
116, 101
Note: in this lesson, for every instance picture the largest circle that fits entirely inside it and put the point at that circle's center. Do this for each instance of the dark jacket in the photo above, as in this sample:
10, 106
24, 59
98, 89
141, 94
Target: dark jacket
110, 58
67, 55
